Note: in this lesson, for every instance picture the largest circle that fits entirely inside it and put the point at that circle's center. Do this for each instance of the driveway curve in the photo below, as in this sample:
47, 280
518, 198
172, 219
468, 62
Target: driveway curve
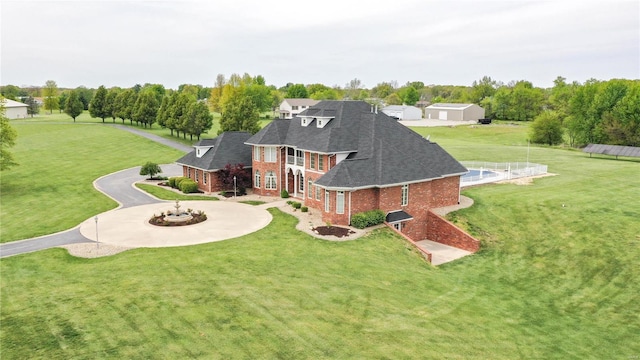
118, 186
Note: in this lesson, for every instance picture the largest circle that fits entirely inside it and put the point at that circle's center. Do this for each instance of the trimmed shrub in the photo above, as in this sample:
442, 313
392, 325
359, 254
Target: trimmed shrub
188, 186
304, 209
368, 218
296, 205
284, 194
174, 182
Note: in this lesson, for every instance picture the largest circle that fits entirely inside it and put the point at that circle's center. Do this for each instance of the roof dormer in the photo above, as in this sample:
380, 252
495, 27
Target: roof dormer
306, 120
201, 150
323, 121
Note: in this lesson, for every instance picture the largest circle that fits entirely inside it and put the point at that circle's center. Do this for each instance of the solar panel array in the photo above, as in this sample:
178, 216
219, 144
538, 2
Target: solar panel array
615, 150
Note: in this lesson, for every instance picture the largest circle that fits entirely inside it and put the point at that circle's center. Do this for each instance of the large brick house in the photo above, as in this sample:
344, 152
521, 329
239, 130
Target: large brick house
209, 156
345, 157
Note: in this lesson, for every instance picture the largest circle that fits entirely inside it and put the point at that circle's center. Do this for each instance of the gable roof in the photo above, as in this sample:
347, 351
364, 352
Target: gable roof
227, 148
8, 103
449, 106
382, 152
301, 102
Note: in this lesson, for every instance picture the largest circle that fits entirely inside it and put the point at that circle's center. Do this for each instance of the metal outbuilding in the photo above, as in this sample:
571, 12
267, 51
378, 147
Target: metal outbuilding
403, 112
14, 109
454, 112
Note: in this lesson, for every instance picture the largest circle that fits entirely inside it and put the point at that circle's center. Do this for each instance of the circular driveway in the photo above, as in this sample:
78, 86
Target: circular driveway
129, 227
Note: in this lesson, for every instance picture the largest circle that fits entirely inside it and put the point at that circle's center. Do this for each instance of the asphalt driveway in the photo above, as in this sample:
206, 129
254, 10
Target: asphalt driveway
118, 186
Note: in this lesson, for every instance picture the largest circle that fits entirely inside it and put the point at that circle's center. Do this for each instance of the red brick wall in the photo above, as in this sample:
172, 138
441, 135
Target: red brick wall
213, 181
445, 192
444, 232
262, 166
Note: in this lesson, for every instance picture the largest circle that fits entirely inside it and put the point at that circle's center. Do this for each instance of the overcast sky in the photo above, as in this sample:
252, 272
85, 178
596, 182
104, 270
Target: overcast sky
122, 43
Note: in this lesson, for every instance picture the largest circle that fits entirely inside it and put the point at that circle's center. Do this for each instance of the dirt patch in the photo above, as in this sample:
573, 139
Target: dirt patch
336, 231
93, 250
525, 180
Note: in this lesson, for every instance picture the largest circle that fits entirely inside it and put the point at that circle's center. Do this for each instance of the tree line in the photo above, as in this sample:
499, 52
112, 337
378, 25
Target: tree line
594, 111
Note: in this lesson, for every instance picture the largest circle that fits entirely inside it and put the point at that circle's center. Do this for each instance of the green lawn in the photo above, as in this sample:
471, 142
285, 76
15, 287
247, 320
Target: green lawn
166, 194
51, 190
155, 129
551, 282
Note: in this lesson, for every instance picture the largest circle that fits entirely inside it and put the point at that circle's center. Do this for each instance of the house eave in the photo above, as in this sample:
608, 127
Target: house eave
382, 186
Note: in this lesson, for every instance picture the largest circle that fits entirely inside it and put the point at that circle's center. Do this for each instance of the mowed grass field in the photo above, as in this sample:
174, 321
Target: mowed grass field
52, 188
551, 282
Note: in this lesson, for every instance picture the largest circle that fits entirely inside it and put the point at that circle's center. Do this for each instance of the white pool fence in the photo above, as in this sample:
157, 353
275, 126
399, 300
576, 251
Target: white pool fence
492, 172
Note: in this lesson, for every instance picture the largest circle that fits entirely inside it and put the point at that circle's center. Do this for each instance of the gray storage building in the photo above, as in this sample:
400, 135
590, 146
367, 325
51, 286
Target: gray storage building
455, 112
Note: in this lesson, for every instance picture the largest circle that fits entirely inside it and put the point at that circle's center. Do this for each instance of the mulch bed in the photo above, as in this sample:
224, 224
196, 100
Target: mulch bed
336, 231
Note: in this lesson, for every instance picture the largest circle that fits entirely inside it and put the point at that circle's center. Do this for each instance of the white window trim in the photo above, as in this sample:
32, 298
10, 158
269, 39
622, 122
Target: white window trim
310, 188
405, 195
312, 161
320, 162
270, 181
256, 153
256, 179
327, 206
339, 202
270, 151
204, 177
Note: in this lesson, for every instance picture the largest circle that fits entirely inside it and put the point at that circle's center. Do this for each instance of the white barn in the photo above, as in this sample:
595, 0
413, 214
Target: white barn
455, 112
14, 109
403, 112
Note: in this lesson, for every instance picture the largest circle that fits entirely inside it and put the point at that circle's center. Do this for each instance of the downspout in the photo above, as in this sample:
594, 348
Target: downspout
350, 207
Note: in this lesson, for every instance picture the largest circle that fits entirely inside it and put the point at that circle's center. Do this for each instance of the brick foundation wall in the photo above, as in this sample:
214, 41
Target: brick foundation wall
444, 232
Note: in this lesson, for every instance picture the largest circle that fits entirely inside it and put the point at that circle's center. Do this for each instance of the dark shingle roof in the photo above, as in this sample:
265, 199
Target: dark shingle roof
382, 151
398, 216
227, 148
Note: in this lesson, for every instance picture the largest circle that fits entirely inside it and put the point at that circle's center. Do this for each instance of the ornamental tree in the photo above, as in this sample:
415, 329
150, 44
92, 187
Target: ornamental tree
151, 169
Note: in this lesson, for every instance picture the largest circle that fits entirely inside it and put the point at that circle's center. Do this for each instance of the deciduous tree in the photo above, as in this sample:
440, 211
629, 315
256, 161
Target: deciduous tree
297, 91
98, 105
547, 129
50, 94
151, 169
199, 119
242, 178
74, 106
8, 137
240, 114
145, 109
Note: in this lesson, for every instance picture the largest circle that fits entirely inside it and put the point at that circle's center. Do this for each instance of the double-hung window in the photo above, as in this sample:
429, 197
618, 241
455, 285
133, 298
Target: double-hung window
256, 153
256, 179
339, 202
320, 162
326, 201
310, 189
312, 161
269, 154
405, 195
